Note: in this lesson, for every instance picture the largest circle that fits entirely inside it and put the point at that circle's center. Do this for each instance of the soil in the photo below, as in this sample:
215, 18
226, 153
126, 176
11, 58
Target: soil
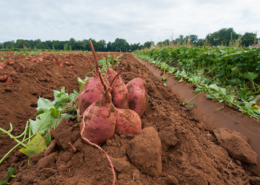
189, 151
204, 110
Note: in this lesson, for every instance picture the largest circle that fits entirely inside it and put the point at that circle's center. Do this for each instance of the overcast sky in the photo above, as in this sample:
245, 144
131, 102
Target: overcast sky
133, 20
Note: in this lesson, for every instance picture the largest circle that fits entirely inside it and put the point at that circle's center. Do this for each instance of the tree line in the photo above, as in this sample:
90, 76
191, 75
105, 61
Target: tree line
224, 37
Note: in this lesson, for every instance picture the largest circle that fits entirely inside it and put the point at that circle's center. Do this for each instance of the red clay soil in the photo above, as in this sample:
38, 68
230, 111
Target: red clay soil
189, 151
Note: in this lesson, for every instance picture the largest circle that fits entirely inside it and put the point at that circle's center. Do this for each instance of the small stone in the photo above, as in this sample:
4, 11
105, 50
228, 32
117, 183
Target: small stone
171, 180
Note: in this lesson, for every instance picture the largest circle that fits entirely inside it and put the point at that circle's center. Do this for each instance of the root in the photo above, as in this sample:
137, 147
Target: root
98, 147
229, 164
72, 148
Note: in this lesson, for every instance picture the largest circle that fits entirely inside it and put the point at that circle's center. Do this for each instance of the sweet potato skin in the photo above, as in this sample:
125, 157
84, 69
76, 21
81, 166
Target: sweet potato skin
119, 90
137, 96
120, 94
90, 93
99, 120
128, 121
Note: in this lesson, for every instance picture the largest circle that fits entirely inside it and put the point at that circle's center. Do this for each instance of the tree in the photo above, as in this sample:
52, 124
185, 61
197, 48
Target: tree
20, 43
134, 47
222, 37
120, 45
248, 39
148, 44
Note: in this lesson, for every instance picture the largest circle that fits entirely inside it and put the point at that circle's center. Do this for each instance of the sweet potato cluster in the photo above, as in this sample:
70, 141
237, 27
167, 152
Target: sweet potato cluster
106, 104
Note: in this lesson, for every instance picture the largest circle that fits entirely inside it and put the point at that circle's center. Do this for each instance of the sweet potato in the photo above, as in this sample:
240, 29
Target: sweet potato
127, 121
3, 78
119, 90
137, 96
92, 90
99, 119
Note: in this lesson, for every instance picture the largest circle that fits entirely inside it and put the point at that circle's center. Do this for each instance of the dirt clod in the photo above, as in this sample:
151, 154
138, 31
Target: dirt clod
168, 138
236, 144
144, 152
120, 164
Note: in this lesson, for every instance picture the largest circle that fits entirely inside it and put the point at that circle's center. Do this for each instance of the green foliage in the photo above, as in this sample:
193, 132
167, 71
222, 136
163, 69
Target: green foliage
32, 147
48, 113
222, 72
82, 82
111, 61
10, 173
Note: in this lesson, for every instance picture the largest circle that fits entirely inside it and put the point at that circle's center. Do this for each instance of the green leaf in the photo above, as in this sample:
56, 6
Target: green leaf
32, 147
251, 76
214, 87
248, 106
43, 105
10, 172
222, 90
190, 105
209, 96
258, 67
42, 123
230, 98
197, 90
235, 81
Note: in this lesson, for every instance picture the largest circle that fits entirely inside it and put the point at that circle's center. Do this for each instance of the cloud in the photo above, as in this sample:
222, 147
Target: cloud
135, 21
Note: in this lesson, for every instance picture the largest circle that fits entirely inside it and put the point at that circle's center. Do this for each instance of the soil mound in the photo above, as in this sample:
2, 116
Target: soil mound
190, 152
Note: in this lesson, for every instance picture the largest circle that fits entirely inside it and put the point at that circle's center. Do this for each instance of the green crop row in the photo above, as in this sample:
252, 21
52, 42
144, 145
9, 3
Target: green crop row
226, 74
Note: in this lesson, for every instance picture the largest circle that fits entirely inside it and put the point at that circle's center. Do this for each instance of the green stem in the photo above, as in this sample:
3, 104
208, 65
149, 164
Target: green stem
13, 149
17, 137
219, 108
192, 98
11, 136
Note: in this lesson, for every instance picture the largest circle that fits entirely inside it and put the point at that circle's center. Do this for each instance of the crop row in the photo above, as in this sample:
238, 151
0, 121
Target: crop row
227, 74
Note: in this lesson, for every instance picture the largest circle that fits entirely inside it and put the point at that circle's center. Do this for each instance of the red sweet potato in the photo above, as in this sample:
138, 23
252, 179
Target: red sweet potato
119, 90
137, 96
92, 90
99, 119
127, 121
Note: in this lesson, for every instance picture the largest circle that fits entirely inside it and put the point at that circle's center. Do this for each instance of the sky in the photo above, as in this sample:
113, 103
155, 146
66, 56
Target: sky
137, 21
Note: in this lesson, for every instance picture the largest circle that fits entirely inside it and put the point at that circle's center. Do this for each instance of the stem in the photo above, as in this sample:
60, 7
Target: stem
192, 98
219, 108
25, 131
115, 78
12, 137
102, 82
17, 137
13, 149
94, 54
